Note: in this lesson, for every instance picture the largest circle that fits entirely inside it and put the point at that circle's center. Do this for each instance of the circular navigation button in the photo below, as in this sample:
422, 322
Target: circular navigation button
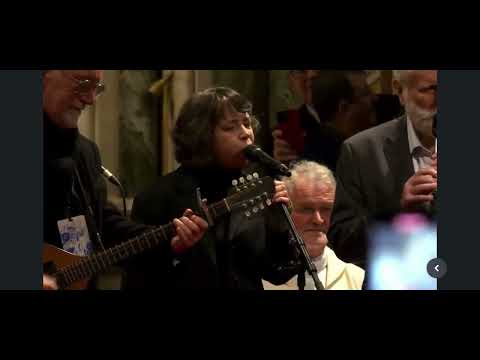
437, 268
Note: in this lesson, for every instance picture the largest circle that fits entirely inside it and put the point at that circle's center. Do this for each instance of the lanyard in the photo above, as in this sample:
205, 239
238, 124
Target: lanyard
88, 207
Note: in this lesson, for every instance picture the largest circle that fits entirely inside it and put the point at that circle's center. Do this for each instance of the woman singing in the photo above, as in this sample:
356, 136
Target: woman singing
212, 130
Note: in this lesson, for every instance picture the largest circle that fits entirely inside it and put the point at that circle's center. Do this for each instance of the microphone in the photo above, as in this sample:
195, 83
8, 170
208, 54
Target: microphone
110, 177
254, 153
113, 179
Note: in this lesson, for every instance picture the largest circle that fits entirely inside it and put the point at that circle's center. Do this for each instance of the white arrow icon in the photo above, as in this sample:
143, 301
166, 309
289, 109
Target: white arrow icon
437, 268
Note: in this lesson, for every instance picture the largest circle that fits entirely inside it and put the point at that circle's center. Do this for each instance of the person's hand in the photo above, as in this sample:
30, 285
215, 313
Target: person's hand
281, 194
49, 283
419, 188
282, 151
190, 229
280, 197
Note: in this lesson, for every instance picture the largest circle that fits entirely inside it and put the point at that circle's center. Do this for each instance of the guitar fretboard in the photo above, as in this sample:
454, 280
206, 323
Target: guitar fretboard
102, 261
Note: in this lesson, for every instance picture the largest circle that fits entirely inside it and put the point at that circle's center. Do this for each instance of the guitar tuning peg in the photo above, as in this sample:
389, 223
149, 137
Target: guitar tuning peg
249, 177
234, 182
242, 180
255, 209
248, 214
262, 206
269, 202
255, 175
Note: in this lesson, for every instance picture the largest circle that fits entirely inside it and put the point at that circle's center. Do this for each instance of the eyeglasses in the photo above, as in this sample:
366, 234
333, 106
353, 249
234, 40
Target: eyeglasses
87, 86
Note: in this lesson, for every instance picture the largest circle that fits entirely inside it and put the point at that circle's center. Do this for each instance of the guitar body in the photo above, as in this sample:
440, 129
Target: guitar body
55, 259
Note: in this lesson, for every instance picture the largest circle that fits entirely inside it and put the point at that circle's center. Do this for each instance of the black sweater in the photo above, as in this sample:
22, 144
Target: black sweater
64, 148
235, 253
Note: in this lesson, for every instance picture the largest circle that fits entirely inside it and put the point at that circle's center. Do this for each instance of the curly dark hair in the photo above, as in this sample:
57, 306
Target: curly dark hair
194, 130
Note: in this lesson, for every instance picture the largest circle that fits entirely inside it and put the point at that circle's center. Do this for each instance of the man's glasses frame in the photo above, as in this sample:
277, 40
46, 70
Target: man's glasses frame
86, 86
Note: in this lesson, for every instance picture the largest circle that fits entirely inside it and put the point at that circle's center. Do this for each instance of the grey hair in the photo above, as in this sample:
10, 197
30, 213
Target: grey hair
311, 171
403, 76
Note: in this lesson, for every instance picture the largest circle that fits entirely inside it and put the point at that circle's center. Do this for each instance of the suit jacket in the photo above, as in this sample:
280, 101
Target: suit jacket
340, 276
373, 167
236, 253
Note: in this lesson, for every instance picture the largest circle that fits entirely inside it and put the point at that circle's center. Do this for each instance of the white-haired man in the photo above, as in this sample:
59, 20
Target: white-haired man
312, 191
387, 169
76, 214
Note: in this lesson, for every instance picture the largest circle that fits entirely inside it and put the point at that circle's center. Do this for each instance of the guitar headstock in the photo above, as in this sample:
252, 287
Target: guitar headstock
251, 194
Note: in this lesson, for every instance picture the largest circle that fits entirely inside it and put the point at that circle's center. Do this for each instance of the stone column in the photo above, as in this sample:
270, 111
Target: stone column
176, 93
107, 122
138, 116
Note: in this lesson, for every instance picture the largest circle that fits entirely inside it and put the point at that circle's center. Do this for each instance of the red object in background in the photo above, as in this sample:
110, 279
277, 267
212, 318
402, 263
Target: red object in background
292, 131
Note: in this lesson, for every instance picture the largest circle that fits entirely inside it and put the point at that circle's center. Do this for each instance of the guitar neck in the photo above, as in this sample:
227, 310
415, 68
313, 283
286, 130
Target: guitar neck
102, 261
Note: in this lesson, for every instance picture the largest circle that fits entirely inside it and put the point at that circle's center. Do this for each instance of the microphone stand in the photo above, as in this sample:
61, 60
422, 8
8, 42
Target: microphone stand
277, 169
308, 264
124, 196
113, 180
307, 261
119, 185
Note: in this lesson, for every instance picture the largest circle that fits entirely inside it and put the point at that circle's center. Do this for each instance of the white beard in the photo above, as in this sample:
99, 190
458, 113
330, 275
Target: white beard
422, 120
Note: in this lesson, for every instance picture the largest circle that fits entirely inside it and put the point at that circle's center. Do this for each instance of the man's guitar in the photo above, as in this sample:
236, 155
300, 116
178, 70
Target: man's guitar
251, 195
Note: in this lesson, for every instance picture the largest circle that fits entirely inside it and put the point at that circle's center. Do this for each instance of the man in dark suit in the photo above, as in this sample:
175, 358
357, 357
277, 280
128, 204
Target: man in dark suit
387, 169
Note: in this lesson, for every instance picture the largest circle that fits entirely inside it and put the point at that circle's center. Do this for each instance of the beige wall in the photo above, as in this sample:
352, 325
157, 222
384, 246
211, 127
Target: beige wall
100, 122
182, 87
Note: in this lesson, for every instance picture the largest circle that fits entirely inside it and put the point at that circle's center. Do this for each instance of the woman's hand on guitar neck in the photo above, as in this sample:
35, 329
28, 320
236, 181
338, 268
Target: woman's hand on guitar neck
190, 229
49, 283
281, 194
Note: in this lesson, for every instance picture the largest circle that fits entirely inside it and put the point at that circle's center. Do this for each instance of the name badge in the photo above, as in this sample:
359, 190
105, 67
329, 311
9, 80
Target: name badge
74, 236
